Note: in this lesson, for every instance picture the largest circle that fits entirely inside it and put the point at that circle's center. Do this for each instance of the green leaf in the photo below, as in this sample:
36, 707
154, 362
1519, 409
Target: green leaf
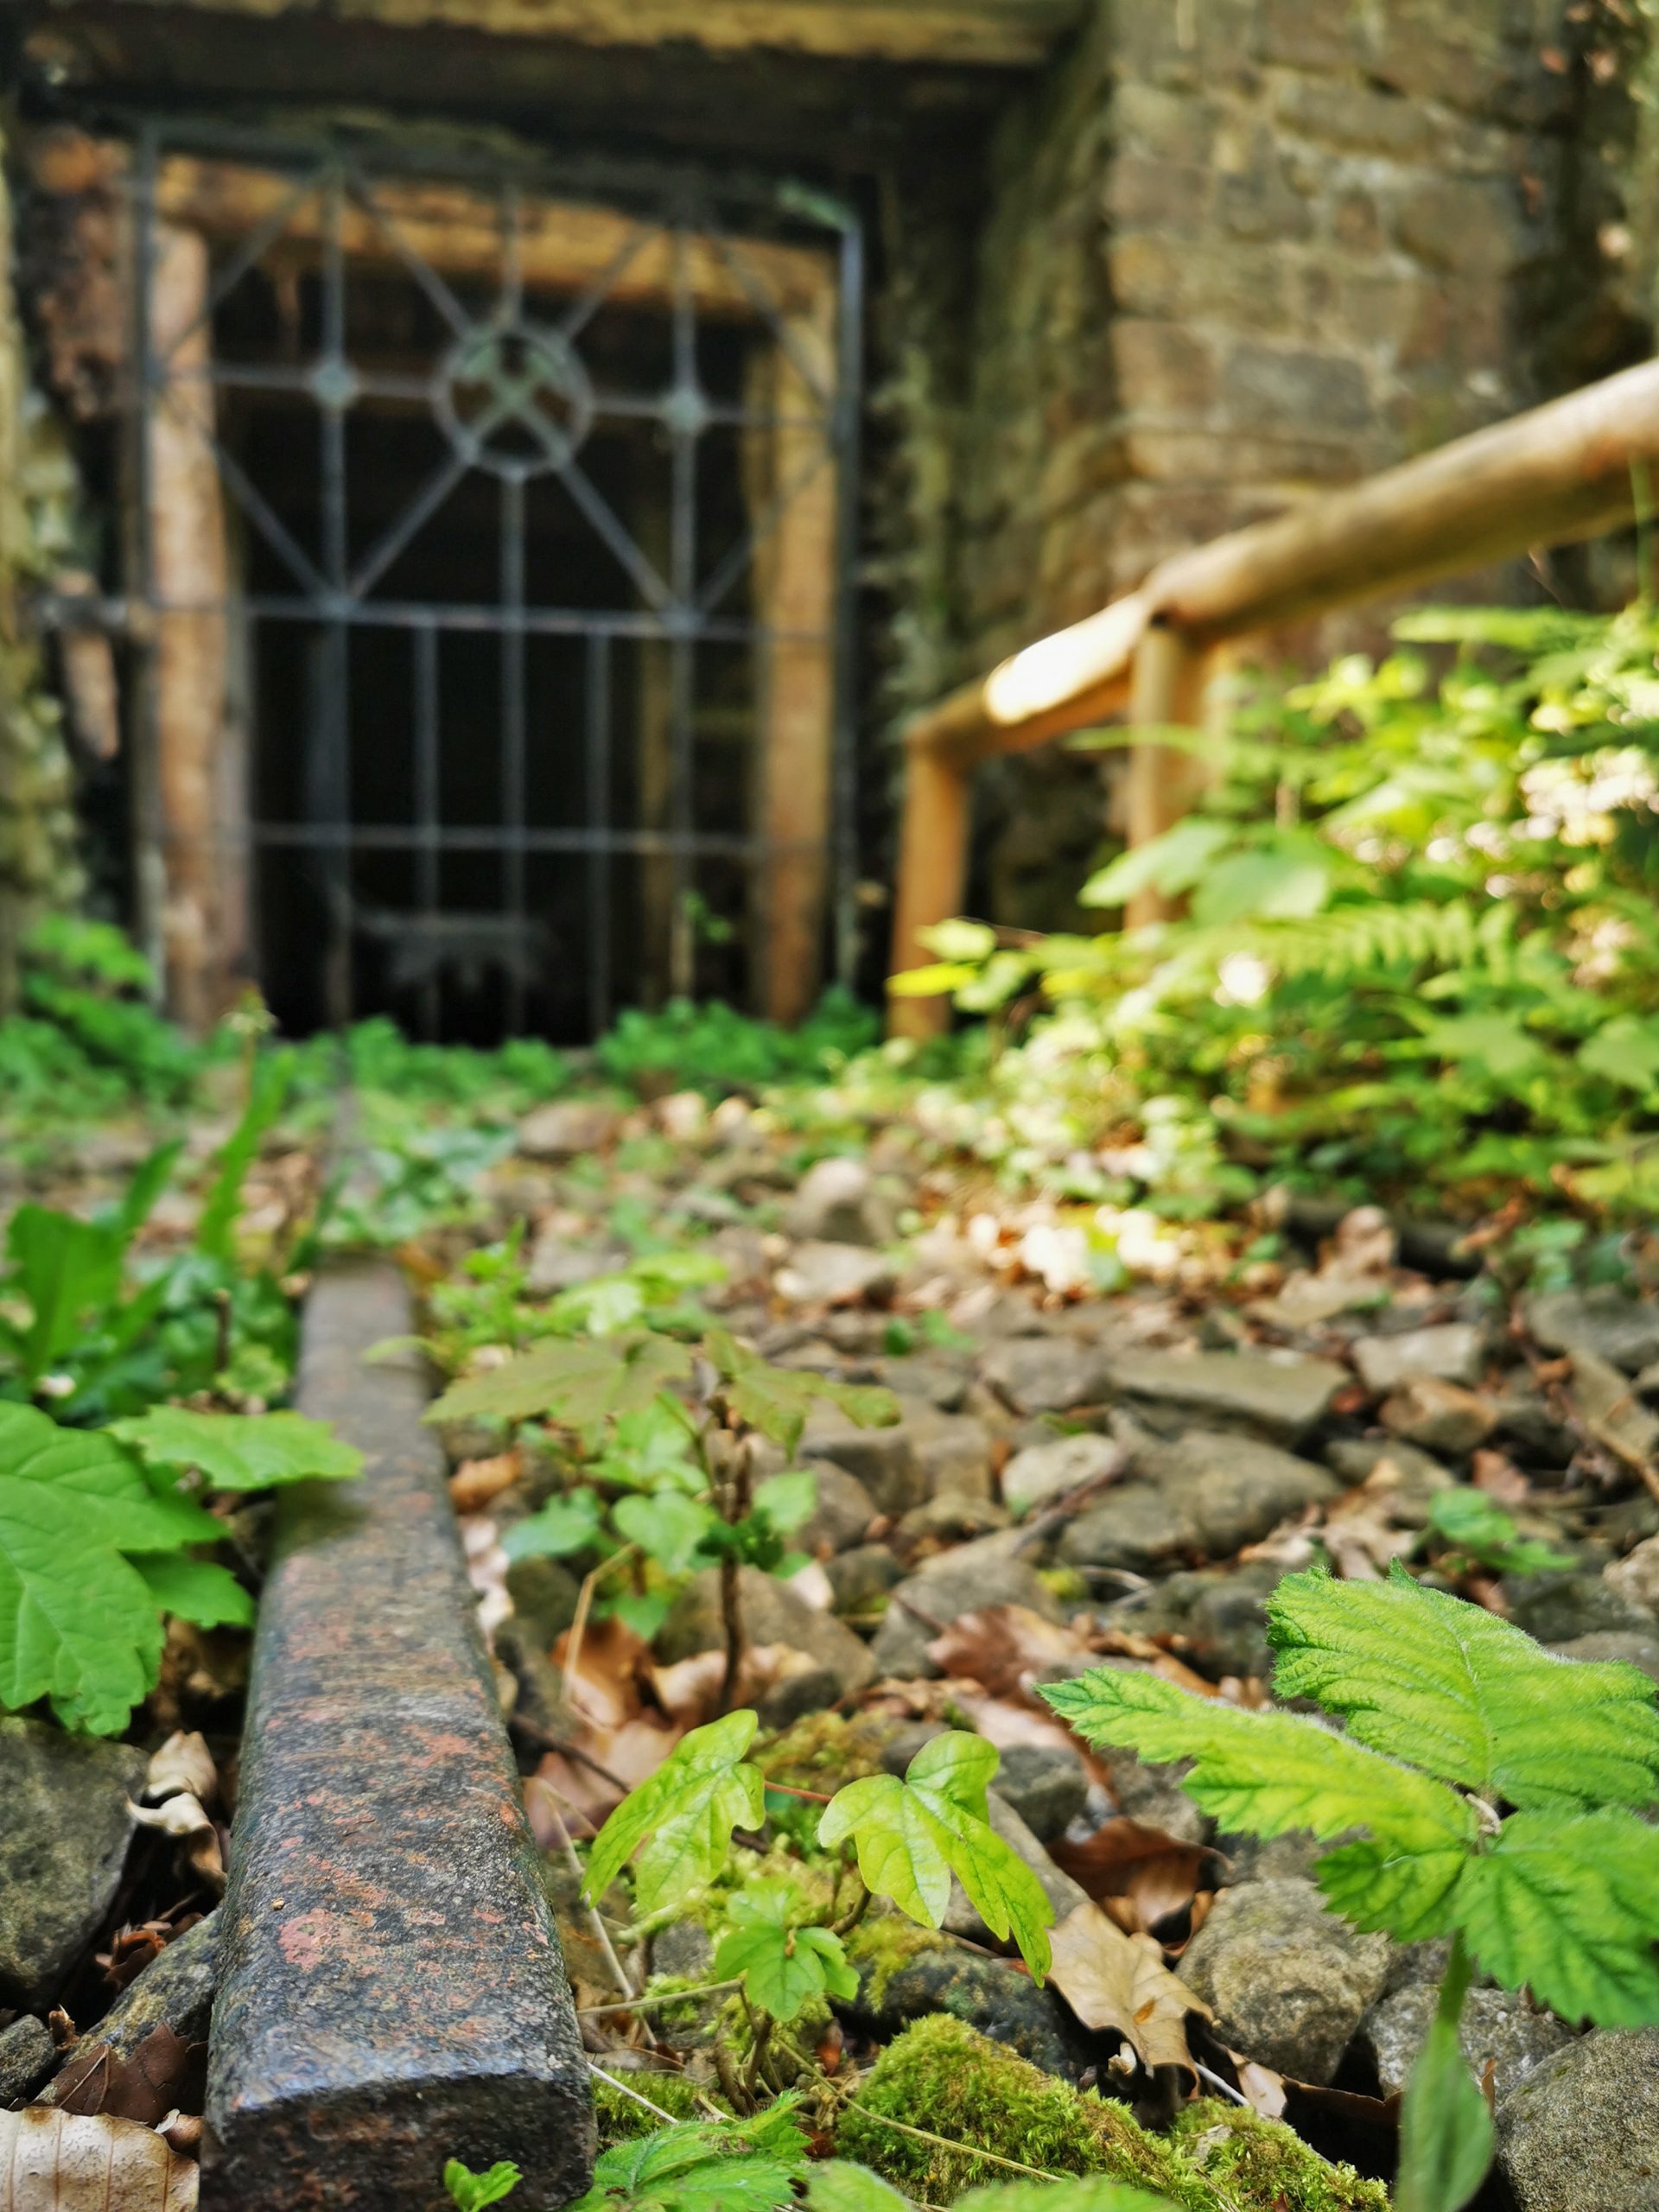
564, 1526
650, 1449
195, 1590
1624, 1050
216, 1229
1470, 1521
1569, 1909
696, 2166
782, 1966
79, 1623
912, 1835
1284, 881
66, 1269
1445, 2127
1268, 1773
935, 981
777, 1399
1088, 2195
1170, 863
241, 1452
837, 2185
1496, 1042
579, 1385
960, 940
667, 1527
786, 1501
684, 1815
472, 2192
1463, 1695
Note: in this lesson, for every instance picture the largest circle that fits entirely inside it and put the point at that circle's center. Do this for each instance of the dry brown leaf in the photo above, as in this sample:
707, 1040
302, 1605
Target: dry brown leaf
1146, 1872
1262, 2089
1118, 1981
1122, 1644
1006, 1648
613, 1666
1004, 1723
689, 1690
54, 2161
476, 1482
630, 1753
184, 1764
145, 2085
1496, 1474
181, 1815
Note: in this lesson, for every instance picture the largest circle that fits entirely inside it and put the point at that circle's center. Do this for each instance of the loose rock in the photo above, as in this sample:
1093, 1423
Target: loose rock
63, 1839
772, 1613
835, 1275
1281, 1394
1209, 1491
1044, 1375
1288, 1982
175, 1990
1497, 2025
1440, 1417
1451, 1353
1580, 2131
965, 1580
567, 1128
842, 1515
1043, 1472
28, 2054
836, 1204
1560, 1607
1622, 1331
1635, 1577
1631, 1647
1046, 1785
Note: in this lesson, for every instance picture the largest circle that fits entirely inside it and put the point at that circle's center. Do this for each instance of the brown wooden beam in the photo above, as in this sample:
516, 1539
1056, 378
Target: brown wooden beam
983, 33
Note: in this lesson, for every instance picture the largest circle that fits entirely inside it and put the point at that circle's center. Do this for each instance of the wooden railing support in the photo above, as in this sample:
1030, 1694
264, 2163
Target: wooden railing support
932, 876
1166, 690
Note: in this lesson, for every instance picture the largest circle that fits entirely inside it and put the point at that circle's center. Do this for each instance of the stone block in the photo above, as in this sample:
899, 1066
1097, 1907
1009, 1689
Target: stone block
1164, 368
1468, 227
1295, 389
1144, 192
65, 1824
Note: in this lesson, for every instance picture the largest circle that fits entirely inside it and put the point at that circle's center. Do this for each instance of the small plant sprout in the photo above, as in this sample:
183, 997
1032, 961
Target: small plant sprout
1499, 1792
471, 2192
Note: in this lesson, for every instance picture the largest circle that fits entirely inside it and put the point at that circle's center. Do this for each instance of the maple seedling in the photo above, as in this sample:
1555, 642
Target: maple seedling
1498, 1790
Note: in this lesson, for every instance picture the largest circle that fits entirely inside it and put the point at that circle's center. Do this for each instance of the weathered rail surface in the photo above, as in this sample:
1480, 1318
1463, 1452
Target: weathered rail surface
392, 1992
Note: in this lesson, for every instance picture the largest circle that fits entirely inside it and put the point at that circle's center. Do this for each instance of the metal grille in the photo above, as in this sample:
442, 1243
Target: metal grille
502, 660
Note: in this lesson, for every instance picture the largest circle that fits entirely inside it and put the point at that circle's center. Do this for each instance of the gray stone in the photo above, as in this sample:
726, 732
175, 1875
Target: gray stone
544, 1595
554, 1264
1044, 1472
1281, 1394
1635, 1577
949, 1518
1525, 1422
1622, 1331
1562, 1606
1607, 1403
837, 1203
64, 1833
28, 2054
1287, 1980
472, 1439
989, 1994
1047, 1375
938, 1379
965, 1580
953, 1451
567, 1128
1407, 1480
683, 1948
835, 1275
842, 1515
1580, 2131
1209, 1492
772, 1613
1063, 1895
883, 1459
1045, 1784
175, 1991
862, 1577
1450, 1353
1219, 1615
1631, 1647
1497, 2025
1152, 1794
1438, 1417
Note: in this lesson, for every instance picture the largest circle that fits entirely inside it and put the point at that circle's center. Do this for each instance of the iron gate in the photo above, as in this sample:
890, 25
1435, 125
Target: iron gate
483, 522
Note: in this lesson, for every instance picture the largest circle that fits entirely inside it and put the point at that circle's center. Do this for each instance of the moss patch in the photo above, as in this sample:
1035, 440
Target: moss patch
1254, 2161
881, 1943
621, 2120
942, 2076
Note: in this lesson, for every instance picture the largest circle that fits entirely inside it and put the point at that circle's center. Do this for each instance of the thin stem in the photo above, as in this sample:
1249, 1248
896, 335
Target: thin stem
811, 1797
851, 1919
668, 1997
595, 1922
1216, 2083
967, 2149
735, 1496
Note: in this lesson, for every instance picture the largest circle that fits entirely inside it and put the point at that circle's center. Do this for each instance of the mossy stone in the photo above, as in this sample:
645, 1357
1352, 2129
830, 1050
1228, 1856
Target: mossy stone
1253, 2161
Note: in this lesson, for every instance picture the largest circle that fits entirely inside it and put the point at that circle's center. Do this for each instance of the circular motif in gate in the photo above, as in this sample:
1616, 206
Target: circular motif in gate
514, 398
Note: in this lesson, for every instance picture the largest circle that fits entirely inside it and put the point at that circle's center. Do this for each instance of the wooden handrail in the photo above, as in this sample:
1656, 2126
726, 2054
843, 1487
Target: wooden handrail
1570, 469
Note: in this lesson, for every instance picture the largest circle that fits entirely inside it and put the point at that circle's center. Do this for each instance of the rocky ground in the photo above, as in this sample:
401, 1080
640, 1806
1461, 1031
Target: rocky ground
1079, 1473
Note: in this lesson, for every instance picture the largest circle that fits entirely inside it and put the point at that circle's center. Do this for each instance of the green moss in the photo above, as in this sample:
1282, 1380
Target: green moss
824, 1749
882, 1942
1069, 1586
1254, 2161
942, 2076
620, 2119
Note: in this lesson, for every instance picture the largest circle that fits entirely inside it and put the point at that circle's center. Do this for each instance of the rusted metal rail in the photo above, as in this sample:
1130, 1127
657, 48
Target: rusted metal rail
392, 1991
1559, 472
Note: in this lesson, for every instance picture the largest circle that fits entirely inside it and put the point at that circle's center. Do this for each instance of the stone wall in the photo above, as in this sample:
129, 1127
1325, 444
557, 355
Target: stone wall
1236, 251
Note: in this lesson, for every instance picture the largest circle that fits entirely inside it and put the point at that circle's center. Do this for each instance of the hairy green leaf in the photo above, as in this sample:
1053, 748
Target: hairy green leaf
79, 1623
241, 1451
1464, 1695
683, 1814
777, 1399
1569, 1909
912, 1835
579, 1385
704, 2166
837, 2185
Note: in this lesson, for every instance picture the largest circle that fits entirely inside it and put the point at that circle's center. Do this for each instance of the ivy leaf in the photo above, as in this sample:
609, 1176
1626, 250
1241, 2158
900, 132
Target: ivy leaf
197, 1590
1270, 1772
1463, 1695
783, 1967
564, 1527
79, 1623
241, 1451
1570, 1909
777, 1399
912, 1835
683, 1814
668, 1528
580, 1385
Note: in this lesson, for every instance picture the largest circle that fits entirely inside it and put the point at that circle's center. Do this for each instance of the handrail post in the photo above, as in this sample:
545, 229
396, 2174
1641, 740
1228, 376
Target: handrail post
1166, 692
932, 878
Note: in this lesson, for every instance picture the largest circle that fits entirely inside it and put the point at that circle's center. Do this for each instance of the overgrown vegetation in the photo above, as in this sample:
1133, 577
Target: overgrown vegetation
1419, 953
